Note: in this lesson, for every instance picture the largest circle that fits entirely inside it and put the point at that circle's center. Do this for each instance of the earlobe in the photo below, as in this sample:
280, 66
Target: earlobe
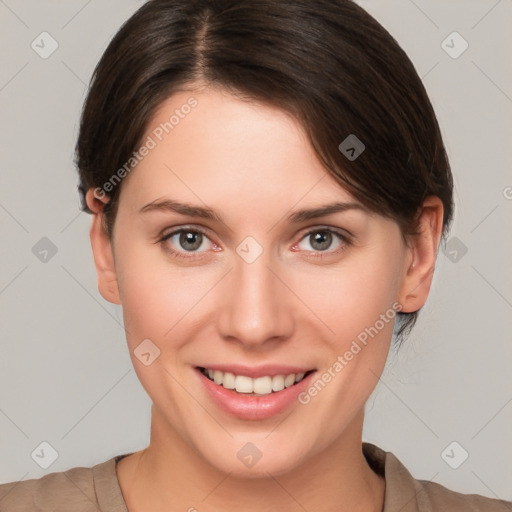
422, 253
102, 250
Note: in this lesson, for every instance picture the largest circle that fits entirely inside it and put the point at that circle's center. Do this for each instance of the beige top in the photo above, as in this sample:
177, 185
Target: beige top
97, 489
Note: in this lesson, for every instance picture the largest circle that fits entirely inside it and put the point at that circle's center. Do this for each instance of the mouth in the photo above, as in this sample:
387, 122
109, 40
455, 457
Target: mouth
259, 386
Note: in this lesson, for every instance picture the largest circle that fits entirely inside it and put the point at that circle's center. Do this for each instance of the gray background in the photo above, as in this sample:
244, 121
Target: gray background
65, 373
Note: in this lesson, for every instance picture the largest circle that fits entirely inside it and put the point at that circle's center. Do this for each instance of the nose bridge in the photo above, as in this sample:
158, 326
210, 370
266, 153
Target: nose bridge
254, 308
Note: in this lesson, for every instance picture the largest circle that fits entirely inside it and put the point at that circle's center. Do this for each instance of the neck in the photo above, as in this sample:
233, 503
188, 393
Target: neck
169, 472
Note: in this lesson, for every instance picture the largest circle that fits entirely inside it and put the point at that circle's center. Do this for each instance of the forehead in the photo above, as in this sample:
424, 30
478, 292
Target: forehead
212, 146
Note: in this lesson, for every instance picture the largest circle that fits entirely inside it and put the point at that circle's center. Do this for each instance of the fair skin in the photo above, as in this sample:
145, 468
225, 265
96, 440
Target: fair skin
252, 164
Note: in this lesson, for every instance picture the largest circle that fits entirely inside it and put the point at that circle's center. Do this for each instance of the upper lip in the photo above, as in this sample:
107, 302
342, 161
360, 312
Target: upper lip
257, 371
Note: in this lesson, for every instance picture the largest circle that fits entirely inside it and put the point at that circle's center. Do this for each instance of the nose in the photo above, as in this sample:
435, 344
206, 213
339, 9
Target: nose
256, 306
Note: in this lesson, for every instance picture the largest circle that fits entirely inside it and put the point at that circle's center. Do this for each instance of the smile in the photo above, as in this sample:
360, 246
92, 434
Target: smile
254, 393
263, 385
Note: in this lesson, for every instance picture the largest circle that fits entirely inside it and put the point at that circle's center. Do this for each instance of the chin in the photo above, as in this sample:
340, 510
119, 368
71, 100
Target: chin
255, 459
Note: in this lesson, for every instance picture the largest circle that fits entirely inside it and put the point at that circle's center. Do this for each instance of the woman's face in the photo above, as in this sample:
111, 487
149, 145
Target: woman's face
259, 293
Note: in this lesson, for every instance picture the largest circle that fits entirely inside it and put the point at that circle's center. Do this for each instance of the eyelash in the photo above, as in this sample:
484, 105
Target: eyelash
316, 254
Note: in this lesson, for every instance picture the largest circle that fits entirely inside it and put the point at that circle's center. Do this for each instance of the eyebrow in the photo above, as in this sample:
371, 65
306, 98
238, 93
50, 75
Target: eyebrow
171, 205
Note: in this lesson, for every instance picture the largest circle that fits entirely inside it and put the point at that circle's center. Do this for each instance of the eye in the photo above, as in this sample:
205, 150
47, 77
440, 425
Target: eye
187, 240
321, 239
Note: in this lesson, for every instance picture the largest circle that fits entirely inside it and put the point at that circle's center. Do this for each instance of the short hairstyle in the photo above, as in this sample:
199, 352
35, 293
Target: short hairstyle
328, 63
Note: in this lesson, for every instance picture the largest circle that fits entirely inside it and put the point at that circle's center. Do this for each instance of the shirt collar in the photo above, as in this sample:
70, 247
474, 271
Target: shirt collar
403, 493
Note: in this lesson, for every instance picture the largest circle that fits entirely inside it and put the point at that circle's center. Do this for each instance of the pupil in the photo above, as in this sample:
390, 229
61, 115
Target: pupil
323, 236
188, 237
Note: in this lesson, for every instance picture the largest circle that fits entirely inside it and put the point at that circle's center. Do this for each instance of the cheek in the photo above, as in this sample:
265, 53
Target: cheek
355, 302
158, 304
351, 297
159, 298
150, 296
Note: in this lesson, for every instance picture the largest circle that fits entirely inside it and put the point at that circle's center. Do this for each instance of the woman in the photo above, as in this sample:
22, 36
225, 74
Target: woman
269, 189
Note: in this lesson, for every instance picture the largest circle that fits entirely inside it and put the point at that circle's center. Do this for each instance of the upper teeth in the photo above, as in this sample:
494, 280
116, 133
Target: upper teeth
261, 385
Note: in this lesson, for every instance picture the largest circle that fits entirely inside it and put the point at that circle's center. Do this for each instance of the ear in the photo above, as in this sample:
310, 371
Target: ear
102, 250
422, 253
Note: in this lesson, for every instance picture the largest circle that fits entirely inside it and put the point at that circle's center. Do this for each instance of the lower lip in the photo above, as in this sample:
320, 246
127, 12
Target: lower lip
252, 407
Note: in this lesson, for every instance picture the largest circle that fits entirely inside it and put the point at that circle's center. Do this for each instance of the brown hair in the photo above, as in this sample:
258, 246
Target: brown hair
327, 62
